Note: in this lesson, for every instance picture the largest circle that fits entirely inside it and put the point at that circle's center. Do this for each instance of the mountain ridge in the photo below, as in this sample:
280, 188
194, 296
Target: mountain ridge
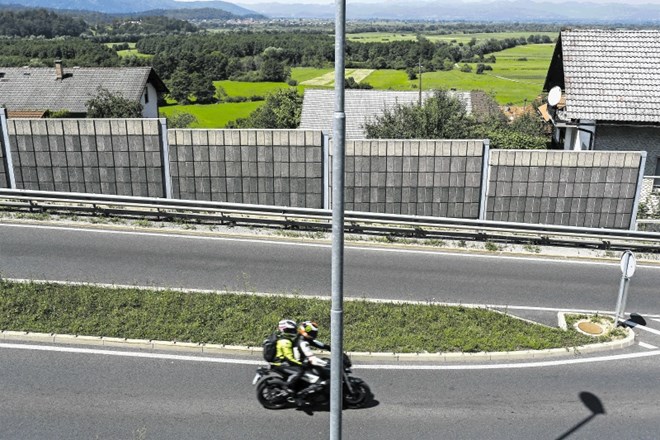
418, 10
514, 10
129, 6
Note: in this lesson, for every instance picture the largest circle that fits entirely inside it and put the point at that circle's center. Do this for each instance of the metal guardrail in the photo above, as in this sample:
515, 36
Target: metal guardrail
306, 219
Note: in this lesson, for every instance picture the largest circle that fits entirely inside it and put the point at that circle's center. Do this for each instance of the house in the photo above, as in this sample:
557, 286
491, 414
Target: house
610, 92
33, 91
362, 106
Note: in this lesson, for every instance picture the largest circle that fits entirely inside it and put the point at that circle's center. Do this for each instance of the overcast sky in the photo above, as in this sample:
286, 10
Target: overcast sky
325, 2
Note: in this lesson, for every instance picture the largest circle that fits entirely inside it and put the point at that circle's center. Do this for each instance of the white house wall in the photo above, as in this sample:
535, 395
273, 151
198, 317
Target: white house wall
150, 109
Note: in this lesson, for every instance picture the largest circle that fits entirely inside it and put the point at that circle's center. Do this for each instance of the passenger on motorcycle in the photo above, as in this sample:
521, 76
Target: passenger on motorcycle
285, 359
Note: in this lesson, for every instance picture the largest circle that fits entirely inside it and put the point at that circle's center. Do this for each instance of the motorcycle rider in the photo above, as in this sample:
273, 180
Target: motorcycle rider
285, 359
307, 332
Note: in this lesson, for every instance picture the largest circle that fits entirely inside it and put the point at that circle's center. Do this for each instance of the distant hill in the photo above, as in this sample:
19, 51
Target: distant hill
445, 10
130, 6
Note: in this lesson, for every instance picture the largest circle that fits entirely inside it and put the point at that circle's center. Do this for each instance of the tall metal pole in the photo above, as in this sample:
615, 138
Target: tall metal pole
338, 147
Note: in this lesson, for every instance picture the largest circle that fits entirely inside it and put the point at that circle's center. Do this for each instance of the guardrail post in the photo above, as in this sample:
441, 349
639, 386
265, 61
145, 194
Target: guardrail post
165, 158
638, 194
8, 161
485, 179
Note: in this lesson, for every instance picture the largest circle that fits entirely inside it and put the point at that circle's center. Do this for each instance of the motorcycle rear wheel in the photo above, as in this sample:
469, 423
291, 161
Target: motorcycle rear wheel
271, 394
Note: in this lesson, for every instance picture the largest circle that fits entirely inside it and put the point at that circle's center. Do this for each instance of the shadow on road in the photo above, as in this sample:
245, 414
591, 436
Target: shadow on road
310, 410
593, 403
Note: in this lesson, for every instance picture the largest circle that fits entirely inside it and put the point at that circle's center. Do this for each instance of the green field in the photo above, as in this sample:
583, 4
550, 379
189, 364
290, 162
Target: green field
240, 88
128, 52
512, 81
517, 77
214, 115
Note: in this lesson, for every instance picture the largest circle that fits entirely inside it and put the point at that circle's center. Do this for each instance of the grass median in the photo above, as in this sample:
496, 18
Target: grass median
242, 319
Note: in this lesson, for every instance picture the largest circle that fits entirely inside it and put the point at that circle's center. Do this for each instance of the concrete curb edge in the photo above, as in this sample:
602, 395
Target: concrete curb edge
152, 345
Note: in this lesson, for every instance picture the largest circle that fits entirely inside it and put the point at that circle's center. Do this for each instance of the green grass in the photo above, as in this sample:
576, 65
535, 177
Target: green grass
240, 88
302, 74
130, 51
214, 115
237, 319
511, 81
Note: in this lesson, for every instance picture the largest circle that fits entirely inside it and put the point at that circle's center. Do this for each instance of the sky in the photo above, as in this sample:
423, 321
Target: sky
325, 2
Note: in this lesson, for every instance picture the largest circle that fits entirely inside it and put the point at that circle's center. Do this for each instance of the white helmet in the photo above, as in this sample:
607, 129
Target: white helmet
287, 326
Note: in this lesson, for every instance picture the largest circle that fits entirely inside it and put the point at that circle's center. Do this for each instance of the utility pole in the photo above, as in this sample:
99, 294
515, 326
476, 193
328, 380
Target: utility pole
338, 152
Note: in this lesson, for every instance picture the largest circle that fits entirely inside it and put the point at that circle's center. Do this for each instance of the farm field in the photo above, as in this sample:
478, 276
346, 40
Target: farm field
130, 51
213, 115
517, 77
247, 89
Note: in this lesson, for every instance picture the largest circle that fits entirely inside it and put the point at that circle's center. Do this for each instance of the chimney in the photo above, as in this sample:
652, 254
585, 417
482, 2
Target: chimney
59, 72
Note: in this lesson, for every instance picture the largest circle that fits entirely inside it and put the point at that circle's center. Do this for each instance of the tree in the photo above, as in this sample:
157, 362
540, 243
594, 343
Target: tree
527, 131
439, 117
180, 86
412, 74
281, 110
202, 87
180, 119
112, 105
273, 67
350, 83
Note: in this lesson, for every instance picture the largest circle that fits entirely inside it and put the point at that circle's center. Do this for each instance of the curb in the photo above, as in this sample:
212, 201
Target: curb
151, 345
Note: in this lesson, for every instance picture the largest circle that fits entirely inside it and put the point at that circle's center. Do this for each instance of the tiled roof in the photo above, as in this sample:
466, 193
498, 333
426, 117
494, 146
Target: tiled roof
359, 106
612, 75
36, 88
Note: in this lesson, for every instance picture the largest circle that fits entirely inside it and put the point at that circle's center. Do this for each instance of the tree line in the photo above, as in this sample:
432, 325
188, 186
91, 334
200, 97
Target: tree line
39, 22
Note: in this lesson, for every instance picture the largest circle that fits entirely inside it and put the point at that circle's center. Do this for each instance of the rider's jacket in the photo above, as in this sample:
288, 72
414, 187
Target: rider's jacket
304, 351
284, 352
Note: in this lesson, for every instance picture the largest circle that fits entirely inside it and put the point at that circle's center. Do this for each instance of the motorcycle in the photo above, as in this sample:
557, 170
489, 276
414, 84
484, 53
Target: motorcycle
272, 394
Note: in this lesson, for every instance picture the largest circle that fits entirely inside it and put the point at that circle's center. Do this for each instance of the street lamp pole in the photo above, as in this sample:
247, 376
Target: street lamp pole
338, 152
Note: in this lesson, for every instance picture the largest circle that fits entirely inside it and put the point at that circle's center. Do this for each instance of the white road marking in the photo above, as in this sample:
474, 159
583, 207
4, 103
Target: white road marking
133, 354
656, 319
325, 245
175, 357
645, 345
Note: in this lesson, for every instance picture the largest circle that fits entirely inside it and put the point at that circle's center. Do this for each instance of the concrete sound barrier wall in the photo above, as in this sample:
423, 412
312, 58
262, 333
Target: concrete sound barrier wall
4, 140
100, 156
570, 188
265, 167
417, 177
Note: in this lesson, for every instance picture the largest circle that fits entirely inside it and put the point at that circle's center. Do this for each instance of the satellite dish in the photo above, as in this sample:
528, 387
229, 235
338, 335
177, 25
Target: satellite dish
554, 96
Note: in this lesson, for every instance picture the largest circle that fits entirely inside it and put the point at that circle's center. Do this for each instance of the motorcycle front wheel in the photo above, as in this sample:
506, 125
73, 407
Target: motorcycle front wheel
360, 395
271, 394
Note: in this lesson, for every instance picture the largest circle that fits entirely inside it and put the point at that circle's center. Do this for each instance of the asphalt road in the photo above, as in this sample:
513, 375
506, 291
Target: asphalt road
83, 395
90, 396
265, 266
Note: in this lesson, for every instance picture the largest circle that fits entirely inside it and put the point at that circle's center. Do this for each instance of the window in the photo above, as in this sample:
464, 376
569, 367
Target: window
146, 95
